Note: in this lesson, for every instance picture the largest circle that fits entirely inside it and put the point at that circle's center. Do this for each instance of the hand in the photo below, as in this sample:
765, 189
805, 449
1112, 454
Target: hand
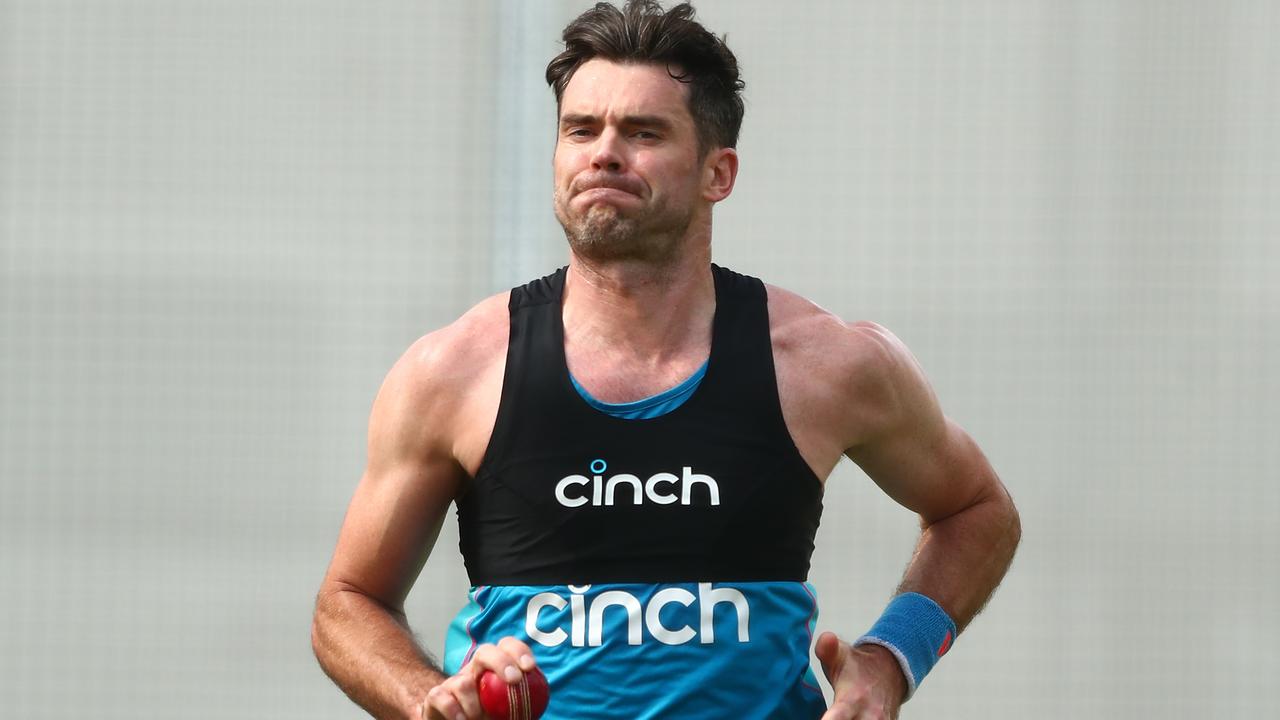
459, 696
867, 680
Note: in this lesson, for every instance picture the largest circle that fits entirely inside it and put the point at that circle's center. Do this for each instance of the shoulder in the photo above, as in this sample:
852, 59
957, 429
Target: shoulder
841, 382
451, 357
443, 379
856, 352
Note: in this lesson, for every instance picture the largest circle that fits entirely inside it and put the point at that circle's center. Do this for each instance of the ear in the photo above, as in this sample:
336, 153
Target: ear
719, 172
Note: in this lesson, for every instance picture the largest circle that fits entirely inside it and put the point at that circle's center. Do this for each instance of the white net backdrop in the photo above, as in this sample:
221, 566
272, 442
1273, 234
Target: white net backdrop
220, 223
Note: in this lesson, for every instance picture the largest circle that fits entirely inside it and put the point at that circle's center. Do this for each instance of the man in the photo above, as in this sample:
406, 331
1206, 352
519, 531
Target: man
637, 446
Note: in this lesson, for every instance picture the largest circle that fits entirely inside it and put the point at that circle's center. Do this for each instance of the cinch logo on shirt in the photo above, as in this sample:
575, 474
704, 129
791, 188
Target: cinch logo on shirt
586, 622
578, 490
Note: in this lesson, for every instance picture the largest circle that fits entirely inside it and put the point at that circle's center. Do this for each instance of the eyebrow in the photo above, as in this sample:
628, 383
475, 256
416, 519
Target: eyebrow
653, 121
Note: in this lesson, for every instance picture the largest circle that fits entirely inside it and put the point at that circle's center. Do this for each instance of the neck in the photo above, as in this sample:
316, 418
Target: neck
652, 314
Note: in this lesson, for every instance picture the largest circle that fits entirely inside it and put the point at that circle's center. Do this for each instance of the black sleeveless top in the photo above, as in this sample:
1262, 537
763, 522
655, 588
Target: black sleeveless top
712, 491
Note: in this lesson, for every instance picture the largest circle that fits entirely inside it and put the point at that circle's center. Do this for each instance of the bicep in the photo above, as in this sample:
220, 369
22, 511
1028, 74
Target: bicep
401, 500
935, 475
390, 528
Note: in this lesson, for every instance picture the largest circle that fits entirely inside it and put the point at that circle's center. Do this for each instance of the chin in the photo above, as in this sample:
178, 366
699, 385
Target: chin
604, 234
599, 245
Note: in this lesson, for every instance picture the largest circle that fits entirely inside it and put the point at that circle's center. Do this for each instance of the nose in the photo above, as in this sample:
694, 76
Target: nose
607, 154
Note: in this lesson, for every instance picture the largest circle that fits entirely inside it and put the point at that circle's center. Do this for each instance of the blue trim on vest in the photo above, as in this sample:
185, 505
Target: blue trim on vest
650, 407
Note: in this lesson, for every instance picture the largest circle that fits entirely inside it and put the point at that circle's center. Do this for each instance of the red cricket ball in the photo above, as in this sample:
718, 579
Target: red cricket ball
526, 700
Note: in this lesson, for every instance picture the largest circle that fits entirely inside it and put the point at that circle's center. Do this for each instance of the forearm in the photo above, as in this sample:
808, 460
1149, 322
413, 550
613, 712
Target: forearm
369, 651
961, 559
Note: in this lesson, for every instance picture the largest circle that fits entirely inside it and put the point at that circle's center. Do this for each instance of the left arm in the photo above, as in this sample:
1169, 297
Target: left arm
929, 465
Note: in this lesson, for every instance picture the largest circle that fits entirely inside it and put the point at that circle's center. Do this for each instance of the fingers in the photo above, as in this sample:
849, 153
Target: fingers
510, 659
832, 653
840, 711
860, 692
519, 651
850, 711
859, 708
458, 698
454, 699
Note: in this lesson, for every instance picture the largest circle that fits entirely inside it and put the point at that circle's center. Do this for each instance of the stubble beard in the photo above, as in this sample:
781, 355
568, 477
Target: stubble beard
604, 234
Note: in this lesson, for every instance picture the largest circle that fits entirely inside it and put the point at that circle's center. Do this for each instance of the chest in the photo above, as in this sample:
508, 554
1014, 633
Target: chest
712, 490
618, 377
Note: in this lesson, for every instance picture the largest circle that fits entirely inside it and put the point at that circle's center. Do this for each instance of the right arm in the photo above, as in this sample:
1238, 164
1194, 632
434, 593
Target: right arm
360, 633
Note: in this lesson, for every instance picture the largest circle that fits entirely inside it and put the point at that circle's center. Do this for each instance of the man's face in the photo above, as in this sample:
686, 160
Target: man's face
627, 166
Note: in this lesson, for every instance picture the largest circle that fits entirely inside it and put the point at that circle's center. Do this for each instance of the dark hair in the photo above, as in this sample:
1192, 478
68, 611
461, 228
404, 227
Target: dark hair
641, 32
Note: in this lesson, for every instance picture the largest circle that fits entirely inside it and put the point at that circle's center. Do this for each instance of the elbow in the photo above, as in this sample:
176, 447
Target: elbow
317, 637
994, 516
1011, 521
323, 620
317, 630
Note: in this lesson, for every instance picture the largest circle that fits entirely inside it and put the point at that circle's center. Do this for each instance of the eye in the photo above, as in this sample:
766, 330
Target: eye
579, 132
645, 135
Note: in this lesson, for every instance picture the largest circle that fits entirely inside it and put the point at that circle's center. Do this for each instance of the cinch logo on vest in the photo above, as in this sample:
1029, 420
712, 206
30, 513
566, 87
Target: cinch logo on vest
586, 622
572, 491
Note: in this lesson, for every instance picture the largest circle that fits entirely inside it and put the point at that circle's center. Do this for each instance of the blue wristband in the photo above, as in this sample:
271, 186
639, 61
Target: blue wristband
917, 631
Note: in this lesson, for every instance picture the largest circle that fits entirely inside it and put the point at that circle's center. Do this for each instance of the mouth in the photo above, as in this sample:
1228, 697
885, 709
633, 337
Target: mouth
604, 194
607, 186
606, 199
